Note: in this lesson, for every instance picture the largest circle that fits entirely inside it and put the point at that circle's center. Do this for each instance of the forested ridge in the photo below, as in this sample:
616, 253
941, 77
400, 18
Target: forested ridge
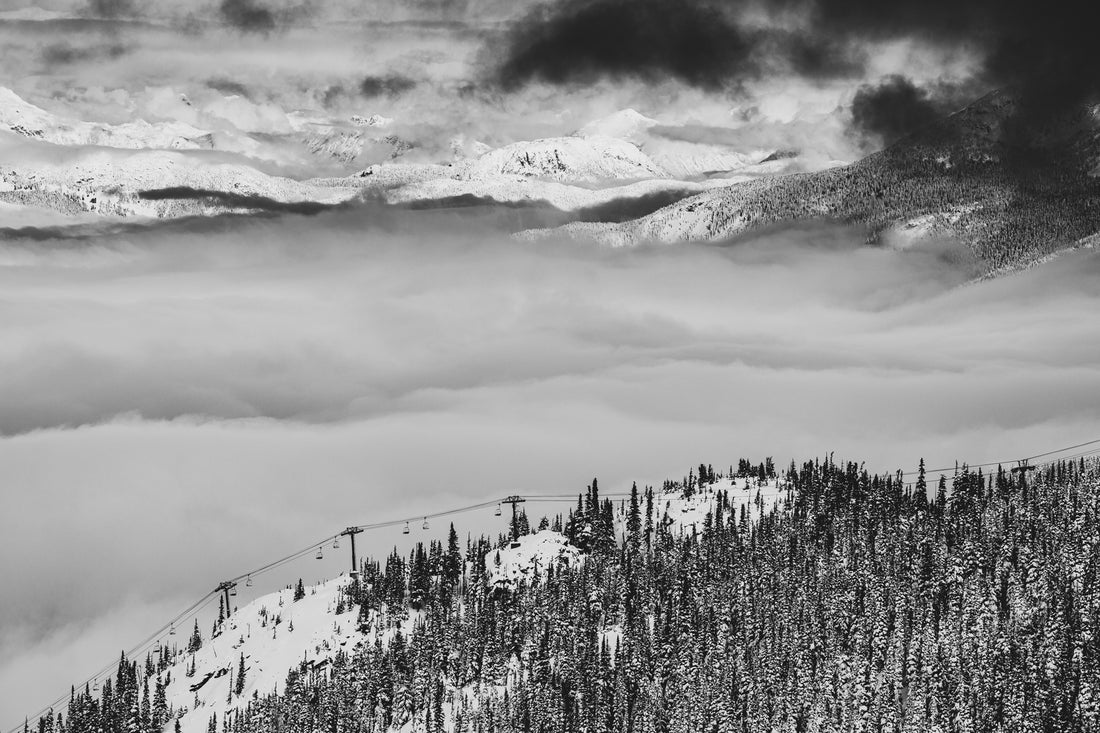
858, 602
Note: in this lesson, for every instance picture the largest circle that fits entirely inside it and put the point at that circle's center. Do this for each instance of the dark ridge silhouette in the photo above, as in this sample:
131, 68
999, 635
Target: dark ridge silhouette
234, 200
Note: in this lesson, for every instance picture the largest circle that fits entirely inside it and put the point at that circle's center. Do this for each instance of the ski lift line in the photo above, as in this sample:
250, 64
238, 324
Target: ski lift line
106, 670
308, 550
952, 469
313, 546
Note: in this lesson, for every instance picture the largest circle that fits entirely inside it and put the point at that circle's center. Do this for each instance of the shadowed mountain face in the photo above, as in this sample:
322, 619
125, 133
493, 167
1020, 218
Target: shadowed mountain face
1013, 187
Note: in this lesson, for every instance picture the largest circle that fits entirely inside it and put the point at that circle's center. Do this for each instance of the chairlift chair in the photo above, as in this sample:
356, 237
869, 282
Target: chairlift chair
1023, 467
248, 582
336, 543
172, 630
320, 553
497, 512
406, 530
425, 523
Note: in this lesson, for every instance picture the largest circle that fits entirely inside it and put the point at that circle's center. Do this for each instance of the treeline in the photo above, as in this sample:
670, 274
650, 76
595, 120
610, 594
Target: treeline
860, 603
1011, 195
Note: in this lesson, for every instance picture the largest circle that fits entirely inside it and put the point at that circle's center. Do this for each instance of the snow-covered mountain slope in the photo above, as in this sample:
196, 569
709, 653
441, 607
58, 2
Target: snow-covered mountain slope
686, 159
591, 160
708, 216
366, 136
24, 118
529, 558
688, 513
108, 180
626, 124
274, 633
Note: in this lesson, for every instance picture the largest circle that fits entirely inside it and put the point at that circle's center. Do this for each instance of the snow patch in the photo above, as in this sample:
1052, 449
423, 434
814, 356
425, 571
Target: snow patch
529, 558
626, 124
261, 631
568, 160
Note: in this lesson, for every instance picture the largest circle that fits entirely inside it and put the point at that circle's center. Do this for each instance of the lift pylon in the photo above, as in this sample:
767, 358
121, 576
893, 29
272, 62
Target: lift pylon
225, 586
513, 500
350, 532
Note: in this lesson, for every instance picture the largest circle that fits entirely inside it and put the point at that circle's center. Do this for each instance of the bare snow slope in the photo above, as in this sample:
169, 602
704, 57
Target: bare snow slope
591, 160
529, 558
275, 633
707, 216
687, 514
626, 124
108, 180
23, 118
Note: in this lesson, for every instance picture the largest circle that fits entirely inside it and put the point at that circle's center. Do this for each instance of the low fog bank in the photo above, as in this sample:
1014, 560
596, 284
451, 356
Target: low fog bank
340, 317
182, 405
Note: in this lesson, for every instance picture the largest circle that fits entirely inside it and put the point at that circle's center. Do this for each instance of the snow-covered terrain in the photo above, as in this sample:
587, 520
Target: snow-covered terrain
73, 167
590, 160
108, 180
685, 514
626, 124
21, 117
274, 633
529, 558
707, 216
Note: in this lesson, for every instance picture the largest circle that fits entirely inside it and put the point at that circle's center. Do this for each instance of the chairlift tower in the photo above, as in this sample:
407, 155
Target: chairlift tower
350, 532
225, 587
513, 500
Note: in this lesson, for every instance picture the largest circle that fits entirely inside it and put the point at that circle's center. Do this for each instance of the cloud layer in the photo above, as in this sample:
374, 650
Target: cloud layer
261, 382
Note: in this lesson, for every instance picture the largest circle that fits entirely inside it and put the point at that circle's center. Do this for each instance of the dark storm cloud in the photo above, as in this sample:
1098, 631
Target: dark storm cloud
247, 16
393, 85
894, 108
580, 41
813, 56
1046, 52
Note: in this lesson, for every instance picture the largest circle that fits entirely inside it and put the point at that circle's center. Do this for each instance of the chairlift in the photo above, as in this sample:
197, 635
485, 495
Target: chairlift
233, 590
248, 582
1023, 467
406, 530
497, 512
425, 526
95, 686
320, 553
336, 543
172, 630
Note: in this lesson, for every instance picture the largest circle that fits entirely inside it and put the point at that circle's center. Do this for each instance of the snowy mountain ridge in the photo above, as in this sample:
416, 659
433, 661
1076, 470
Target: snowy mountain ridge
271, 635
251, 652
23, 118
